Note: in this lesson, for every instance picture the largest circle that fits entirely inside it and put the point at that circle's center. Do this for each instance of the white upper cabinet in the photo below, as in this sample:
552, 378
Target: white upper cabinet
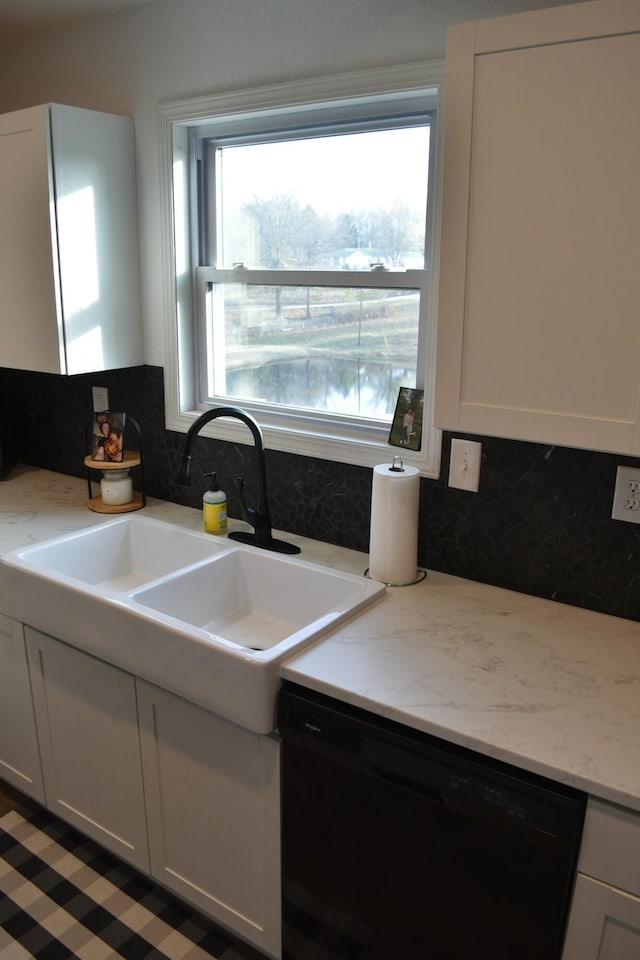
540, 260
69, 265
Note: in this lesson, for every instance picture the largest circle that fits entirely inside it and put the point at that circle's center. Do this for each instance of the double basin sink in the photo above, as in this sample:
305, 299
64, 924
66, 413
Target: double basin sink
208, 619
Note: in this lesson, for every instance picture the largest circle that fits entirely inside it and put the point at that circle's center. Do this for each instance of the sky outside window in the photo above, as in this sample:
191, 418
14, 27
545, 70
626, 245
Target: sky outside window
352, 189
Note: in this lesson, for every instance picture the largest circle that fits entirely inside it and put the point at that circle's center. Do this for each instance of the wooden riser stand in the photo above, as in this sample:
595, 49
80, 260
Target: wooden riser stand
131, 458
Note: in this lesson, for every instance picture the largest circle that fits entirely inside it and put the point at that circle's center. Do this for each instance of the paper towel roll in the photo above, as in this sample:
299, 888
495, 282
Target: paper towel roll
393, 543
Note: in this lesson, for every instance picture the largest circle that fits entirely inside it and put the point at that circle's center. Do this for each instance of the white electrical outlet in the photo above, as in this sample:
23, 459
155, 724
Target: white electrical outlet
464, 465
626, 496
100, 399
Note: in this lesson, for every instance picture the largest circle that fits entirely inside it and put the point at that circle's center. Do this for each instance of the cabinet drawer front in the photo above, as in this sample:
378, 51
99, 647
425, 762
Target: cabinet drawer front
611, 846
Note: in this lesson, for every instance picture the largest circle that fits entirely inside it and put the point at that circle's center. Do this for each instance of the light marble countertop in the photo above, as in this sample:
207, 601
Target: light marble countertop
551, 688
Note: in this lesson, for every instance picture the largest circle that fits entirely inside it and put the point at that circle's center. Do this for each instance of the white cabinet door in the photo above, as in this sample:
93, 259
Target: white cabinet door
69, 274
19, 753
30, 311
539, 282
605, 913
212, 792
90, 746
604, 923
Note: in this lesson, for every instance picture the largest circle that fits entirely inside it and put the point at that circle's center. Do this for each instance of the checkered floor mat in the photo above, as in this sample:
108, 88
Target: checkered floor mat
63, 897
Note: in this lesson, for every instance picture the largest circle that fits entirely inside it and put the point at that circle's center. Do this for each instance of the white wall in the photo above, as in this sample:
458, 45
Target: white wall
172, 49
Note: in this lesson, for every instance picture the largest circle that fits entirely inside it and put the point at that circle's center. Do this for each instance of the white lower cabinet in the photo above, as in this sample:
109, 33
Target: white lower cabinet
87, 724
605, 914
605, 923
212, 791
183, 795
83, 737
19, 753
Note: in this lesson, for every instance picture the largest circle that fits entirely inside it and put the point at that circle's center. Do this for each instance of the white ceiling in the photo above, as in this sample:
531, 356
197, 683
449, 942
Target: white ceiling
23, 16
19, 17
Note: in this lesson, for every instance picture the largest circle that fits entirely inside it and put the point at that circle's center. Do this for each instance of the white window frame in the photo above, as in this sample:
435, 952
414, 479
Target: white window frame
180, 294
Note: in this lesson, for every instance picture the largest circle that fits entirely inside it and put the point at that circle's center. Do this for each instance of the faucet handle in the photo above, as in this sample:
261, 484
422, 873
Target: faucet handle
251, 515
246, 511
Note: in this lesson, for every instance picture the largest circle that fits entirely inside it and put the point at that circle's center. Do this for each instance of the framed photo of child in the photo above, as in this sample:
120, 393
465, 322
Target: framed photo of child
108, 437
406, 428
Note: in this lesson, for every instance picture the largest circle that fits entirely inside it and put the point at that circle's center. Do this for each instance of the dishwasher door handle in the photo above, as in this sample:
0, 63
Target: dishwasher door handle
408, 783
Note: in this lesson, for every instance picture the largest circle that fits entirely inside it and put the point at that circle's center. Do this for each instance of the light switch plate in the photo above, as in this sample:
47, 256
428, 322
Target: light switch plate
464, 465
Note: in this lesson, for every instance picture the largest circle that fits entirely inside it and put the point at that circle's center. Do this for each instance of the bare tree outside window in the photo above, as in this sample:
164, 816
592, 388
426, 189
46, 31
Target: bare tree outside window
313, 211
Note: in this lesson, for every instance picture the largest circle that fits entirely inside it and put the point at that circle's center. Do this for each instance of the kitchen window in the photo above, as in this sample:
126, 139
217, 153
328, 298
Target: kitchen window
302, 238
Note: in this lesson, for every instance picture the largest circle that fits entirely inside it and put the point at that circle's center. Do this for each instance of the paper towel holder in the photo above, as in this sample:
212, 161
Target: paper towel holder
397, 466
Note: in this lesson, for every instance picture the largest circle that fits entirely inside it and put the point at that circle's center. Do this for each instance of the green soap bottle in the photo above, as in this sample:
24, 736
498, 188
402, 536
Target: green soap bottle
214, 507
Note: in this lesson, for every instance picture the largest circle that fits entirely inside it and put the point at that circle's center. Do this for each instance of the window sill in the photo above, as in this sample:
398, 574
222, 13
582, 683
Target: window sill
322, 447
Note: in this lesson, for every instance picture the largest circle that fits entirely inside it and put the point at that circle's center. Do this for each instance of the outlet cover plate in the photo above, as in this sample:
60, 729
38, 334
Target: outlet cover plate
626, 496
100, 399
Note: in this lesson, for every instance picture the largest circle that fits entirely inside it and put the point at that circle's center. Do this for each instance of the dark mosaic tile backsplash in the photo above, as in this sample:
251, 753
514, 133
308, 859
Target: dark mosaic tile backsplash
541, 523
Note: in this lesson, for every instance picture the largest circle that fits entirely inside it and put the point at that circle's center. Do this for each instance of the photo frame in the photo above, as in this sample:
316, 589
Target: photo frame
107, 441
406, 427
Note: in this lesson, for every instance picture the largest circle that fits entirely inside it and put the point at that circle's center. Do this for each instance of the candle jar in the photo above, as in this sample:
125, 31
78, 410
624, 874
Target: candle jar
116, 487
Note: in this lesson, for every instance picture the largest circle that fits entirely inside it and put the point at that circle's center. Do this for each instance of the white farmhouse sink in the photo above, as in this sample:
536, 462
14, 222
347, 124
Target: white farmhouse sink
208, 619
256, 600
121, 554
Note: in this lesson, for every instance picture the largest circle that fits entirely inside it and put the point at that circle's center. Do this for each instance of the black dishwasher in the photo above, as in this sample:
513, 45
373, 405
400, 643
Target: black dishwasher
396, 844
